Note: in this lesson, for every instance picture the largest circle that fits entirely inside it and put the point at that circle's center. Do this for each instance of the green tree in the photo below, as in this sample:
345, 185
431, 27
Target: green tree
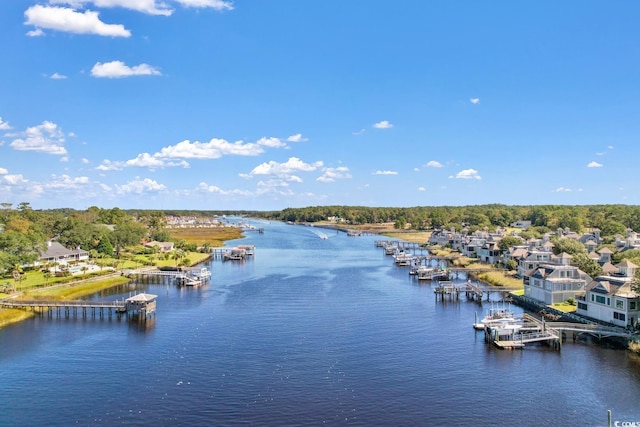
569, 246
508, 242
586, 264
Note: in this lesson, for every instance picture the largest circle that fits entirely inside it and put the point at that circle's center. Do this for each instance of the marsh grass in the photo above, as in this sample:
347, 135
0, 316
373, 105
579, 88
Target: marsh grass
213, 236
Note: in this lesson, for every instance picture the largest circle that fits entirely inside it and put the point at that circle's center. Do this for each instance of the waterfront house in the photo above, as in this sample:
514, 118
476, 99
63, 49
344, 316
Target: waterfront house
56, 253
555, 283
609, 297
532, 259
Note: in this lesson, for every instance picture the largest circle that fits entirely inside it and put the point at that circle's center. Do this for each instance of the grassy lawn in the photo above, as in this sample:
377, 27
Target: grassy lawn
565, 307
78, 290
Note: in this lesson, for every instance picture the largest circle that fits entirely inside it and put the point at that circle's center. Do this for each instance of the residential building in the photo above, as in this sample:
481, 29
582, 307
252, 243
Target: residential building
553, 283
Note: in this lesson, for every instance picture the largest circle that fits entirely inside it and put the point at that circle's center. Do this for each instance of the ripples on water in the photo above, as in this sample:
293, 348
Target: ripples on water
311, 332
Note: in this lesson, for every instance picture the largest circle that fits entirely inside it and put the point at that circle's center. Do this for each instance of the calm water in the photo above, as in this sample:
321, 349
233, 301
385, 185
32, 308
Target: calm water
309, 332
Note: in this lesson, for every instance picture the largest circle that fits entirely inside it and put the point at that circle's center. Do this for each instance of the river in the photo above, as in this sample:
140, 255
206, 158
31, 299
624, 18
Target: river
310, 331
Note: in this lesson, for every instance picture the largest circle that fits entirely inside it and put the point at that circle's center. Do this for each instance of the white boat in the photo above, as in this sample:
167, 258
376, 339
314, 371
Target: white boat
499, 317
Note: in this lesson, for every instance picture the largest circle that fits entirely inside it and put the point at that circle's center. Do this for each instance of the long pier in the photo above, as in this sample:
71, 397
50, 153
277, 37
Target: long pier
143, 304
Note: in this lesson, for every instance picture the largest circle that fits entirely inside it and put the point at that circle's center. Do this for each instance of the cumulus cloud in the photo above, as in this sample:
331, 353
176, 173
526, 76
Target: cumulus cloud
213, 4
331, 174
118, 69
66, 182
68, 20
297, 138
468, 174
204, 187
46, 137
57, 76
4, 125
562, 190
475, 101
594, 165
384, 124
17, 179
174, 155
213, 149
271, 142
150, 7
434, 164
385, 173
3, 171
285, 169
422, 189
139, 186
86, 161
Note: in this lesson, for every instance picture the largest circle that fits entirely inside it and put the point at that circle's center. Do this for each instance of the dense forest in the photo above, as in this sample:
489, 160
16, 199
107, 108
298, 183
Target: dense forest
610, 219
24, 230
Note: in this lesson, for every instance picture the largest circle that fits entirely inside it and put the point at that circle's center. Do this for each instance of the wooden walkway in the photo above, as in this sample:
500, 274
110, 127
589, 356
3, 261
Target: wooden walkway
471, 291
137, 304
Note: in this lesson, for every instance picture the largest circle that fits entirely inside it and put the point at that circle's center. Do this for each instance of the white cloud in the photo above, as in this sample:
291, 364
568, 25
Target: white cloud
203, 186
331, 174
66, 182
108, 165
118, 69
68, 20
385, 173
35, 33
468, 174
384, 124
139, 186
422, 189
286, 169
213, 4
150, 7
562, 190
3, 171
594, 165
46, 137
434, 164
271, 142
86, 161
475, 101
297, 138
416, 169
213, 149
105, 187
360, 132
4, 125
14, 179
610, 147
64, 159
57, 76
145, 160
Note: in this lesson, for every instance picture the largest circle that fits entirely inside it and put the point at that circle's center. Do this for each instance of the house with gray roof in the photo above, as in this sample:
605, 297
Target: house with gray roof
57, 253
555, 283
609, 297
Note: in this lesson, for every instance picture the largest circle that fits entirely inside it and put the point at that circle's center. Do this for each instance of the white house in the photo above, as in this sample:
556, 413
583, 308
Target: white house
57, 253
610, 298
552, 284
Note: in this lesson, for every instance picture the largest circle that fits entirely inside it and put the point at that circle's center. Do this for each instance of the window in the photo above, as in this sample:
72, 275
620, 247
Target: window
600, 299
620, 304
582, 306
632, 305
619, 316
592, 297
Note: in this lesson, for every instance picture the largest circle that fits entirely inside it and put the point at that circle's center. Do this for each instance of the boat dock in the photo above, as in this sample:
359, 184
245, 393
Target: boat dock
183, 276
472, 292
142, 304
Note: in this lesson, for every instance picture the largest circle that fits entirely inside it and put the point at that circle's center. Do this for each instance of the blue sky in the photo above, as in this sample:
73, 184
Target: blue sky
263, 105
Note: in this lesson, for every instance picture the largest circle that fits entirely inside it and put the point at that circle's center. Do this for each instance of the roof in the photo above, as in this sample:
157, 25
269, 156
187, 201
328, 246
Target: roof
605, 250
627, 264
607, 267
142, 298
56, 250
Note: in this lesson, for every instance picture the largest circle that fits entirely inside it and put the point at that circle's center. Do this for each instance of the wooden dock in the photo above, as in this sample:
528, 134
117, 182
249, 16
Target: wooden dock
471, 291
139, 304
183, 276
